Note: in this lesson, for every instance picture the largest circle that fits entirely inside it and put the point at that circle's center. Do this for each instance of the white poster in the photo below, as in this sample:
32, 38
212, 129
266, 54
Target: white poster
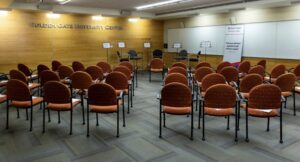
234, 39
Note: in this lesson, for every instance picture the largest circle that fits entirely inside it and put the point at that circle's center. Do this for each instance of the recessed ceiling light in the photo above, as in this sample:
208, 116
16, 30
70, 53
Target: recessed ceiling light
3, 13
161, 4
63, 1
53, 15
97, 18
133, 20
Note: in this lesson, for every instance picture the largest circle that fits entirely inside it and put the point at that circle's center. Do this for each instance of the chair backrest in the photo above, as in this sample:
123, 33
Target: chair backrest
56, 92
277, 70
220, 96
201, 72
102, 94
77, 66
132, 53
127, 64
65, 71
118, 80
222, 65
156, 63
180, 64
244, 67
157, 53
95, 72
176, 77
178, 70
202, 64
104, 66
250, 81
183, 53
47, 76
124, 70
258, 69
16, 74
17, 90
24, 69
263, 63
286, 82
55, 65
265, 96
212, 79
171, 97
41, 68
297, 70
230, 73
81, 80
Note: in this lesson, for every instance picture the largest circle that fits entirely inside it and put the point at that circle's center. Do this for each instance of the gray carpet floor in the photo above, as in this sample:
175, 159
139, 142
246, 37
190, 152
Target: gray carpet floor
139, 139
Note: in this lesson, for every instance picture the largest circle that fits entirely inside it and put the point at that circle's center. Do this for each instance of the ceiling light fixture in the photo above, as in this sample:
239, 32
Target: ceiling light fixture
53, 15
3, 13
133, 20
62, 2
161, 4
97, 18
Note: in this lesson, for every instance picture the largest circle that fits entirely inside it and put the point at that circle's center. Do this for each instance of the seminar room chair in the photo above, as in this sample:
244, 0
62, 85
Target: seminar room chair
119, 81
57, 97
286, 83
157, 54
132, 70
220, 101
77, 66
55, 65
176, 77
106, 68
80, 82
156, 66
222, 65
64, 73
231, 75
263, 102
102, 98
262, 63
296, 71
19, 96
96, 73
16, 74
28, 72
40, 69
258, 69
178, 70
170, 104
202, 64
180, 64
244, 68
276, 71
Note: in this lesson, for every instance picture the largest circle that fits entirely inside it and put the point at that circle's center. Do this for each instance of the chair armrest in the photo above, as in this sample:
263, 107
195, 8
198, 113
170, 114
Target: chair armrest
242, 97
158, 96
121, 95
283, 99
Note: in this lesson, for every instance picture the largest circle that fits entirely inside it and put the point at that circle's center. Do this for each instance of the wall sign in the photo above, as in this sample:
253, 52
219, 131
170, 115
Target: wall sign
234, 39
75, 26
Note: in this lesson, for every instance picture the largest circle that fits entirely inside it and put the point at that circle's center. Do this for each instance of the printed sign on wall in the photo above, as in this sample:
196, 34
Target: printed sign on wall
234, 39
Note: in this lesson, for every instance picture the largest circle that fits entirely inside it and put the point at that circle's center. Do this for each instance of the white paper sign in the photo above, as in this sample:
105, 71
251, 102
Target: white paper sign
177, 45
121, 44
234, 39
106, 45
147, 45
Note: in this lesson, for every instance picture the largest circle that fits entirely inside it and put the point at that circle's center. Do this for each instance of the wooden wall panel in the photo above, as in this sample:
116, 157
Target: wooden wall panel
21, 43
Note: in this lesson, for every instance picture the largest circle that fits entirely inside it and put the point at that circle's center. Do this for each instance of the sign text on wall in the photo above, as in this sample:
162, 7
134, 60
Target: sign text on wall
75, 26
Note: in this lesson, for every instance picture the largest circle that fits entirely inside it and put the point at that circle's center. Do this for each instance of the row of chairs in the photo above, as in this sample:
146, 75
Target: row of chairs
104, 92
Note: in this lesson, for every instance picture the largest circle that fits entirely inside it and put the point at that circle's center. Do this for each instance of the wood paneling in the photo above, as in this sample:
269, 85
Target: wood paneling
21, 43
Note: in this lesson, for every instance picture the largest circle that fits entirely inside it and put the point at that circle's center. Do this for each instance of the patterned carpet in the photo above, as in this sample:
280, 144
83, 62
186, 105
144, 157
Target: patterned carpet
139, 139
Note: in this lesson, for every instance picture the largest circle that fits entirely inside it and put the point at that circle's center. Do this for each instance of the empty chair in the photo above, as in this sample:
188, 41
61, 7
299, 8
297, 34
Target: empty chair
28, 72
264, 102
119, 81
231, 75
77, 66
244, 68
40, 69
57, 97
258, 69
15, 74
47, 76
127, 73
296, 71
102, 98
180, 64
55, 65
286, 83
105, 67
263, 63
174, 103
121, 58
157, 54
219, 101
182, 55
222, 65
81, 81
200, 73
95, 72
156, 66
276, 71
64, 73
248, 82
176, 77
131, 68
19, 96
178, 70
202, 64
